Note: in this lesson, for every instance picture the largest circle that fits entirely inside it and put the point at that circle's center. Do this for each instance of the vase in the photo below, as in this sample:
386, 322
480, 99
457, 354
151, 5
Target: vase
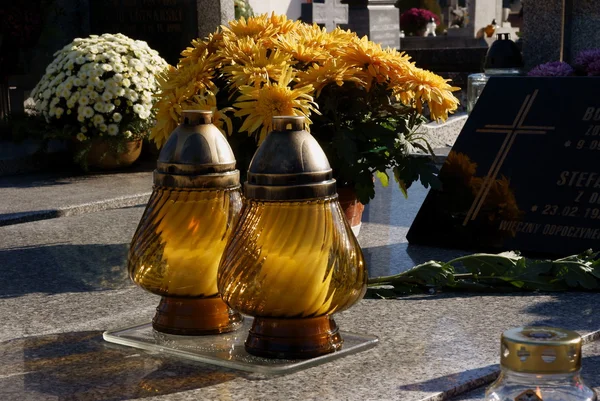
351, 207
105, 155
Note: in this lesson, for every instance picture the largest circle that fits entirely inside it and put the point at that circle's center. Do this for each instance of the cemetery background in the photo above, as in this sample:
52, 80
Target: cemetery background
63, 249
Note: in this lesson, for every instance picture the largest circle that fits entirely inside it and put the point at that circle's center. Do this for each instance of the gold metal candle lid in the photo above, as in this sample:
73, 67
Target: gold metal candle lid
196, 155
289, 165
541, 350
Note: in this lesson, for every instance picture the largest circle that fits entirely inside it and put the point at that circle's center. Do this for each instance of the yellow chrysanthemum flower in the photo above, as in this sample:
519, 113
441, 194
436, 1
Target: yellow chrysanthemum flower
425, 86
191, 77
302, 49
376, 64
264, 27
252, 64
332, 71
260, 104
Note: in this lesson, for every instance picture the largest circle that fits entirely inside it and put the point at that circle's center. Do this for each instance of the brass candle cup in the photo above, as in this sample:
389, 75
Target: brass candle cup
176, 249
293, 260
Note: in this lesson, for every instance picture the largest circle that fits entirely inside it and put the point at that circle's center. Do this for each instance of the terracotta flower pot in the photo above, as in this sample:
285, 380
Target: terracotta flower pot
352, 208
104, 155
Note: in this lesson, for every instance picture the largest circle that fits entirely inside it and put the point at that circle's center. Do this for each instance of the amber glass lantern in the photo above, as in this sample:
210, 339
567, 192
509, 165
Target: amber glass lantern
176, 249
293, 260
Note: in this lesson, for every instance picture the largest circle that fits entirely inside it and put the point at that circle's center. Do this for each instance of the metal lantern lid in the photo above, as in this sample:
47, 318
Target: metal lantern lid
289, 165
503, 54
196, 155
543, 350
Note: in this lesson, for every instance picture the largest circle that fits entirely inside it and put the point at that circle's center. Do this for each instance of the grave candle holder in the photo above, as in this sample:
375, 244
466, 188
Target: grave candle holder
540, 364
293, 260
176, 249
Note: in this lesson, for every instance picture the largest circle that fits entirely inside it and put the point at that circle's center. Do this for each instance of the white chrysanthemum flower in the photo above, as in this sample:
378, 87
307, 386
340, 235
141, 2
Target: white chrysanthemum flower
81, 137
138, 108
88, 112
113, 129
127, 134
96, 75
99, 107
132, 95
144, 114
98, 119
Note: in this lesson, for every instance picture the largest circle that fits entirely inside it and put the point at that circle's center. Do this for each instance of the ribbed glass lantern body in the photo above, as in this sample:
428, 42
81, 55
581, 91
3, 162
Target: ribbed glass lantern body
176, 249
179, 243
292, 260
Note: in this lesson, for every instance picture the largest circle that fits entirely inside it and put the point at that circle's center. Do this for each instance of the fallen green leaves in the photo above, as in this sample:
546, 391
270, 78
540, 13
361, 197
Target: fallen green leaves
482, 272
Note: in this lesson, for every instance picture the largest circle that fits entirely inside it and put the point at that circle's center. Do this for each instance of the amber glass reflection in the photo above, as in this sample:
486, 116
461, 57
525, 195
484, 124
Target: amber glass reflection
180, 240
292, 260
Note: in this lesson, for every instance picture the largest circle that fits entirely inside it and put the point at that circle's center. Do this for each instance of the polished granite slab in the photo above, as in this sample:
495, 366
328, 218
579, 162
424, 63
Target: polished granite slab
49, 195
64, 283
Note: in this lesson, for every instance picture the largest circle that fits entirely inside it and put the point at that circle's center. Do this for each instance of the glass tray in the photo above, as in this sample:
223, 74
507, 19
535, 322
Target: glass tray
227, 350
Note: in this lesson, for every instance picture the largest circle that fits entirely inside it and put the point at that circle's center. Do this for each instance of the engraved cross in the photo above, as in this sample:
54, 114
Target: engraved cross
330, 13
511, 132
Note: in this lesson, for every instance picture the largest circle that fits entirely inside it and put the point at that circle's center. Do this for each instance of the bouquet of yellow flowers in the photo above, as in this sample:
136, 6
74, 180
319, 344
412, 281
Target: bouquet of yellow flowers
361, 102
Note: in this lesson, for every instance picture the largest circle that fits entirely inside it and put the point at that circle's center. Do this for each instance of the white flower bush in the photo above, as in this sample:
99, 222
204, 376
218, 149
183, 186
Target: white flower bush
100, 86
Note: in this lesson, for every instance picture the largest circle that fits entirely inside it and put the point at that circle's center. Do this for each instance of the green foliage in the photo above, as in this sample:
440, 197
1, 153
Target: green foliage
504, 272
242, 9
365, 134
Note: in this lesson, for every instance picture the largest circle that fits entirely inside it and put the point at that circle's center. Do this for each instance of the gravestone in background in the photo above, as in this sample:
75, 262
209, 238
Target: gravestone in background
327, 13
378, 19
167, 25
542, 29
523, 174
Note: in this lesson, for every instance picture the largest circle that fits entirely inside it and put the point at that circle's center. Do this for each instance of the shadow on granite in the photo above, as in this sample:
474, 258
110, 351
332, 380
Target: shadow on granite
59, 268
82, 366
387, 260
477, 377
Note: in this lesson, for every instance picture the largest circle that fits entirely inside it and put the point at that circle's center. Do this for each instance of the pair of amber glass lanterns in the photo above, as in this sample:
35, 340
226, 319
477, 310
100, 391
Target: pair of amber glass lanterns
282, 253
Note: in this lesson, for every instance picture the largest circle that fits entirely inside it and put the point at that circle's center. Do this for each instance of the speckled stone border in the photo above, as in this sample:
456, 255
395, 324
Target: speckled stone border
75, 210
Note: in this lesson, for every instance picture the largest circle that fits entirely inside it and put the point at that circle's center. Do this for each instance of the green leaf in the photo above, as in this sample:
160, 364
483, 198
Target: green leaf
383, 177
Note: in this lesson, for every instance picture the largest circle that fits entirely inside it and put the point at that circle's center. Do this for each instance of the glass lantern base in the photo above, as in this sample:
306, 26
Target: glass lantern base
195, 316
227, 350
293, 338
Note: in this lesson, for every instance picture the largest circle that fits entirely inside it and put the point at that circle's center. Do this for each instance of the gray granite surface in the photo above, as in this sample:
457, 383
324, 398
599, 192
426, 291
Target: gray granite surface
542, 30
43, 196
64, 283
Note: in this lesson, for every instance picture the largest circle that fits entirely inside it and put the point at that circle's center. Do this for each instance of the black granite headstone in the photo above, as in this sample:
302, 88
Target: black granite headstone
524, 172
167, 25
378, 19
